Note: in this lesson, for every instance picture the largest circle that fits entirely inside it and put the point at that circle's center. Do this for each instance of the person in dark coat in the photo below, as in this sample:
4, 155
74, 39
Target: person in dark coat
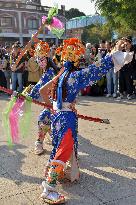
126, 74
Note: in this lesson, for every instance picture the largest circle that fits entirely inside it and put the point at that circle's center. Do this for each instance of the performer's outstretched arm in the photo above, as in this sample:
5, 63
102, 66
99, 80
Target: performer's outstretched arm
93, 73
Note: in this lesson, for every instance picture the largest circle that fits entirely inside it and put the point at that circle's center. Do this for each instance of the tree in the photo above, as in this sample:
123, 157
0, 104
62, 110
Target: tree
95, 33
85, 36
72, 13
120, 13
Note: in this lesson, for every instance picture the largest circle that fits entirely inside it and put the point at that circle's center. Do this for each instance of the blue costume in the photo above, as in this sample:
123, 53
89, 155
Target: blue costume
77, 80
64, 123
44, 117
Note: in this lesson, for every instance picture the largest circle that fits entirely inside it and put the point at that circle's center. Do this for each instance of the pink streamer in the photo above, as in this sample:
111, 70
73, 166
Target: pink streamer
56, 23
16, 111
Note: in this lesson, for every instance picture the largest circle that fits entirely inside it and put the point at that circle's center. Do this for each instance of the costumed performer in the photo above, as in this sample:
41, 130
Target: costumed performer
50, 70
63, 90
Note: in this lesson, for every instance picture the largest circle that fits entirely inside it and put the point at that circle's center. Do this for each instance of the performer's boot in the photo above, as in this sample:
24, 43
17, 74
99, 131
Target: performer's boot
71, 171
43, 129
50, 194
38, 150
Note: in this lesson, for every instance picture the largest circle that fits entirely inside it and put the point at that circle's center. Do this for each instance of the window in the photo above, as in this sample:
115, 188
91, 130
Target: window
6, 21
32, 23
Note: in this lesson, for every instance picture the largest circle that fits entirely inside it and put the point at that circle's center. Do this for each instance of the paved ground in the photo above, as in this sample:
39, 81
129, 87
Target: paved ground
107, 158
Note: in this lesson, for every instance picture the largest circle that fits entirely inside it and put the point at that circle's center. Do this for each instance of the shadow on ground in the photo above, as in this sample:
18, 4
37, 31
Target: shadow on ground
106, 176
11, 161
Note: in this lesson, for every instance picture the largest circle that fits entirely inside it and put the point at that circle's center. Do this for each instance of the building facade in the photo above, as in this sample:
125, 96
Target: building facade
22, 18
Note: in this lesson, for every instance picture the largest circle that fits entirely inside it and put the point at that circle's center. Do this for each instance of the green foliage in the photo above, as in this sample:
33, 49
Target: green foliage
85, 35
72, 13
121, 14
95, 33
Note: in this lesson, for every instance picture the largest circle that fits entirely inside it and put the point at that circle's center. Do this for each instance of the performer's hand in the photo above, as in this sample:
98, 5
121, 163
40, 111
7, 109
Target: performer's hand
27, 90
72, 107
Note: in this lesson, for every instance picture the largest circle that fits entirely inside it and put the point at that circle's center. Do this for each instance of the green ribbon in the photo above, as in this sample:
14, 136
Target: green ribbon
24, 122
5, 116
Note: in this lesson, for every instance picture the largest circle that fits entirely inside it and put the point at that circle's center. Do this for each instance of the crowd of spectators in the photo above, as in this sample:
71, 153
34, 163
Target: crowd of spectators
119, 84
27, 71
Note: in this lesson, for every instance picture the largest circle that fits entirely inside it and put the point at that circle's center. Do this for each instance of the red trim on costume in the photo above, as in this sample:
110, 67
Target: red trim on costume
65, 148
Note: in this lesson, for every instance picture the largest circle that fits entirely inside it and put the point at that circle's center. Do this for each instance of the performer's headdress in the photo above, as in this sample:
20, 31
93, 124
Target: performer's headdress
72, 50
42, 49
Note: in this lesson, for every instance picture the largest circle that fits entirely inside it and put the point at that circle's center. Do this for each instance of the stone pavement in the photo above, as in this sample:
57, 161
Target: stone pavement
107, 158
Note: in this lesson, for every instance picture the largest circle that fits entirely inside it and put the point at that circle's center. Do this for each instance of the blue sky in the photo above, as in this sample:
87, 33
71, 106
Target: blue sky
82, 5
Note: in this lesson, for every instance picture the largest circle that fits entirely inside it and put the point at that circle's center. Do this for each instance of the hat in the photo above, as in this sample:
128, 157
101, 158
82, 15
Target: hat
88, 45
42, 49
72, 50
